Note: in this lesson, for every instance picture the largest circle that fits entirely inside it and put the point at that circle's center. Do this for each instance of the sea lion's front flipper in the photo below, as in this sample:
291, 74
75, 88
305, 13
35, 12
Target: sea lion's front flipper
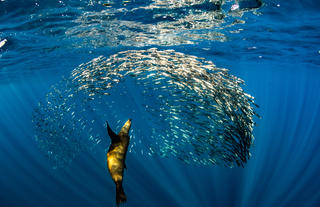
114, 137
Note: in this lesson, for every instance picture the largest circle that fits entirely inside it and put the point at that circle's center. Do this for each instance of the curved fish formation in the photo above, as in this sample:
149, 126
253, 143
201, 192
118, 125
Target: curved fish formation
184, 106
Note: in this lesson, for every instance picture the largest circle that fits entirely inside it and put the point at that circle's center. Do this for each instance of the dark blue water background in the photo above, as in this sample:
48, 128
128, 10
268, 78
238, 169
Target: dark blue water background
276, 52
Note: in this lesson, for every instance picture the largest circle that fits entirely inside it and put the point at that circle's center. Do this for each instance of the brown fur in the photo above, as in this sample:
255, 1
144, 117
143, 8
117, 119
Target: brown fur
116, 158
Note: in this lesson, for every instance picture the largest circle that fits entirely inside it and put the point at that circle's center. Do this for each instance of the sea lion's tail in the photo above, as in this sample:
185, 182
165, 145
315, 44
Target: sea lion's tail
120, 196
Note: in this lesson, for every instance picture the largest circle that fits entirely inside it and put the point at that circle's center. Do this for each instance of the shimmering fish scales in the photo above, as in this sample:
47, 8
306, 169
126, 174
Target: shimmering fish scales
116, 158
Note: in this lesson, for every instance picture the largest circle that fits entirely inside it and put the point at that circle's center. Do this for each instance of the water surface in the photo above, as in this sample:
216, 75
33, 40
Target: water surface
274, 49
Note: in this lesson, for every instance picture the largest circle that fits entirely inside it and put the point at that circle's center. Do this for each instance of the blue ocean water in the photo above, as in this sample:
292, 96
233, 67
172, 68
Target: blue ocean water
274, 48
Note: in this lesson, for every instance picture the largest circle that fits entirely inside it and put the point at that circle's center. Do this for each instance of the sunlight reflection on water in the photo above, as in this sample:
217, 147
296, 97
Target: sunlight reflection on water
161, 22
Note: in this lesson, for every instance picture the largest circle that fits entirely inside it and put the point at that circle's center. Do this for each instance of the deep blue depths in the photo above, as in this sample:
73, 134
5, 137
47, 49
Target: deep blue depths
285, 164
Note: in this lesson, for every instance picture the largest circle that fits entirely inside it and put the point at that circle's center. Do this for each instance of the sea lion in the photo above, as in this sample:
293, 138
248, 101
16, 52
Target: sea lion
116, 157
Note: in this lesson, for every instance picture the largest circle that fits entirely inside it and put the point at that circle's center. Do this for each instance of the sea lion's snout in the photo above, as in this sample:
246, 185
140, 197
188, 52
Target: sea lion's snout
128, 123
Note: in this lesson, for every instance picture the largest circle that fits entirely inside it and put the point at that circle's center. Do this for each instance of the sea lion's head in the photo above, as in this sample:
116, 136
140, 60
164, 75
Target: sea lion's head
126, 127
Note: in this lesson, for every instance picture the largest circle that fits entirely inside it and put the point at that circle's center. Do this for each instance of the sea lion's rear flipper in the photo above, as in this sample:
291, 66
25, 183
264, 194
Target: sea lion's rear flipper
114, 137
120, 196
